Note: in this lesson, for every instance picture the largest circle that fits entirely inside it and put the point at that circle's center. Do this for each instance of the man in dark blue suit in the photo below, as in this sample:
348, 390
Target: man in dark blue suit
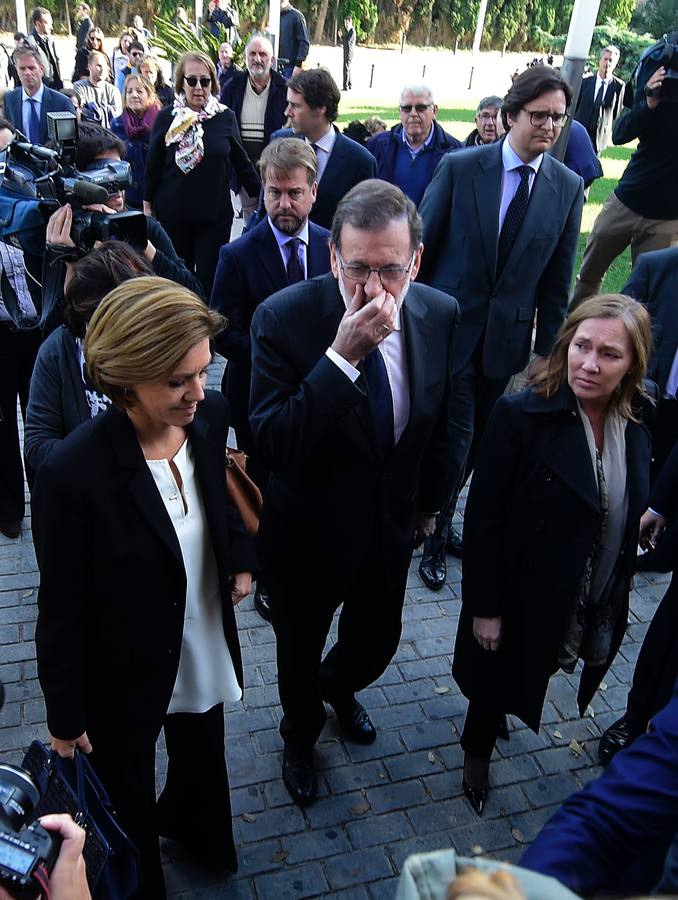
501, 228
611, 838
283, 249
26, 107
312, 106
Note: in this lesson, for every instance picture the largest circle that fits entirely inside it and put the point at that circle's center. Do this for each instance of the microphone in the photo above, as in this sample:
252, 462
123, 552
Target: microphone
88, 192
36, 150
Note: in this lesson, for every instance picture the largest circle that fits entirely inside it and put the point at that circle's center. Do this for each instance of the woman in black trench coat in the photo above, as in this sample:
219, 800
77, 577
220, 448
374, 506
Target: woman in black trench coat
142, 558
551, 528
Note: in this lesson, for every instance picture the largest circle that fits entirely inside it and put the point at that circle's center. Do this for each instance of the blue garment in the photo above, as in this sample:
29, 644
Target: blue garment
52, 101
580, 156
137, 150
613, 835
387, 149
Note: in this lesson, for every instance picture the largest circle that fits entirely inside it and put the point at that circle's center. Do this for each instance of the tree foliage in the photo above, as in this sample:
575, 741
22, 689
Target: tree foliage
656, 17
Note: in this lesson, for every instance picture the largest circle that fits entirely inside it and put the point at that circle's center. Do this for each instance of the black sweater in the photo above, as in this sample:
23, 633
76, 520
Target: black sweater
649, 185
203, 194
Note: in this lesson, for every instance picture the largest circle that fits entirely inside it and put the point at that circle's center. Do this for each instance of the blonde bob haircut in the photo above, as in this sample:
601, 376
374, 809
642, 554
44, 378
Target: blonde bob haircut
141, 331
638, 326
195, 56
144, 83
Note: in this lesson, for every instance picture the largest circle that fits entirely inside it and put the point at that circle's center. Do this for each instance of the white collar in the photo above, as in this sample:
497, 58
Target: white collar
37, 96
511, 160
282, 238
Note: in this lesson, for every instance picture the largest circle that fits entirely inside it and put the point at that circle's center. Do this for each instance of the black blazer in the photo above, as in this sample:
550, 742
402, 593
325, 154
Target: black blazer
330, 488
203, 194
531, 519
460, 211
348, 165
600, 131
112, 581
250, 270
654, 281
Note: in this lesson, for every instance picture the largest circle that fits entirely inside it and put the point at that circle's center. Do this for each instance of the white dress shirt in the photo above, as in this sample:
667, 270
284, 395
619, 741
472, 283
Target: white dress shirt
283, 240
26, 108
600, 81
511, 178
323, 148
394, 354
206, 675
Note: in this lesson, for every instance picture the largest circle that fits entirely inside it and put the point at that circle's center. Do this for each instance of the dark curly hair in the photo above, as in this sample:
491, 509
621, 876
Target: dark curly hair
529, 85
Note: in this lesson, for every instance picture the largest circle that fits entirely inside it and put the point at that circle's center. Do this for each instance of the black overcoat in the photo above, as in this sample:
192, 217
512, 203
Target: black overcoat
112, 580
531, 519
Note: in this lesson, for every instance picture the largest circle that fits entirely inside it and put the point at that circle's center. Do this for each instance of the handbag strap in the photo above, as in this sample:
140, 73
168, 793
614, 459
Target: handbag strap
81, 792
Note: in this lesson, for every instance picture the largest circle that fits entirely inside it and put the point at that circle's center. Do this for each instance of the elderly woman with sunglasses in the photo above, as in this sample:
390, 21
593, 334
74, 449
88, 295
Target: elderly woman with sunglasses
192, 148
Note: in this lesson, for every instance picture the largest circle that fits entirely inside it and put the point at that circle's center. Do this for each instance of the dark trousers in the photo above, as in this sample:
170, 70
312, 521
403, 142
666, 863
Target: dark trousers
368, 636
473, 397
198, 244
664, 433
194, 806
348, 59
481, 727
657, 665
18, 350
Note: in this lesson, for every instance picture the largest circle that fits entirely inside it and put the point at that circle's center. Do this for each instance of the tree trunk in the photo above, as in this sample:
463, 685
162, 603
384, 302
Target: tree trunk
68, 19
320, 22
123, 14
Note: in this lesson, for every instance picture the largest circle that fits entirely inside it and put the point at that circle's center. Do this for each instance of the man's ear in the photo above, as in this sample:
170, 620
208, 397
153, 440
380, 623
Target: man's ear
334, 261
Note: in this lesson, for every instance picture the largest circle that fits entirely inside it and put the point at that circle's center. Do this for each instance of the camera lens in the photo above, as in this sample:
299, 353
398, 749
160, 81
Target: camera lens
18, 797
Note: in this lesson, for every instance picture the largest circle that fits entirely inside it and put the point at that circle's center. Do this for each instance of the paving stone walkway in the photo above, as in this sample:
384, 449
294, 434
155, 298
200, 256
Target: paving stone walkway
376, 804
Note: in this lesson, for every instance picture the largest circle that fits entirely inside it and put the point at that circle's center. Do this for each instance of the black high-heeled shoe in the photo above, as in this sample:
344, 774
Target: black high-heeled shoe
477, 793
503, 730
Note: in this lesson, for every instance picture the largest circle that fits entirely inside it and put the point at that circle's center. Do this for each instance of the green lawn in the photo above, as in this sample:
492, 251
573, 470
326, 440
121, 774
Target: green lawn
459, 122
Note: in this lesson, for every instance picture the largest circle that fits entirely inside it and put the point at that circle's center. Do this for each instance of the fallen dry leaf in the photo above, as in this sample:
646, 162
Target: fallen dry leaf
603, 686
518, 835
591, 712
557, 734
248, 817
576, 748
476, 850
442, 690
359, 809
432, 757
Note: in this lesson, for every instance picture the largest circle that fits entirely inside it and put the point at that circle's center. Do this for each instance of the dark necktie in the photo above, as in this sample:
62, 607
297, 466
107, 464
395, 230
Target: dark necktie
34, 122
295, 270
514, 217
597, 103
381, 398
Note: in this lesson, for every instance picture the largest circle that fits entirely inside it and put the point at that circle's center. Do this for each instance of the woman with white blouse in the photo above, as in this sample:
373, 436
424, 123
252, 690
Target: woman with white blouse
142, 560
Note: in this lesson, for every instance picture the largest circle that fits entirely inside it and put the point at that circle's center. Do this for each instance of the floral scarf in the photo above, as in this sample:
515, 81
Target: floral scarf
186, 130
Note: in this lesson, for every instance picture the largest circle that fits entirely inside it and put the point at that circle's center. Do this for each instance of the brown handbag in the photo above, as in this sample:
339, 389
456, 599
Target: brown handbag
244, 494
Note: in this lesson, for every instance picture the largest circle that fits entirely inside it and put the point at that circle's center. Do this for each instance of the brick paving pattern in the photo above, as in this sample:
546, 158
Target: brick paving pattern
376, 804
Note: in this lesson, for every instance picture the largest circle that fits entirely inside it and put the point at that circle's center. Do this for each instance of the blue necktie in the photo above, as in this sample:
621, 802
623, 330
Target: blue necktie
295, 270
34, 122
514, 217
379, 391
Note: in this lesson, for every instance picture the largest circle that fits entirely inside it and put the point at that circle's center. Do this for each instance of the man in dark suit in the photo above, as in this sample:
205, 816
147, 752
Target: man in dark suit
283, 249
312, 106
501, 227
351, 380
41, 38
26, 107
600, 101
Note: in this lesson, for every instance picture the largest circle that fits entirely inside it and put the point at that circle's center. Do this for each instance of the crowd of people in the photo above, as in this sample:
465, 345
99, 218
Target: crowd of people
381, 298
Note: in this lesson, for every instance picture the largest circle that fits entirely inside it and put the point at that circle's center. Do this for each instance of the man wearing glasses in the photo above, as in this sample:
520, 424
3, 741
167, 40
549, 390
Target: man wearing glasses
501, 227
489, 126
349, 408
408, 154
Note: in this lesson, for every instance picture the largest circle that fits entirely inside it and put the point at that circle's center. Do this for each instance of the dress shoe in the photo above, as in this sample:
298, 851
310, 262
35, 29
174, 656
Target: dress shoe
503, 730
355, 722
261, 603
11, 529
617, 737
475, 781
454, 544
432, 567
299, 776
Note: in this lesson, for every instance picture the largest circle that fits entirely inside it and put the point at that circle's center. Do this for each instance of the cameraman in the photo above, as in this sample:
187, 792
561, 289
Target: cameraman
68, 880
95, 147
643, 209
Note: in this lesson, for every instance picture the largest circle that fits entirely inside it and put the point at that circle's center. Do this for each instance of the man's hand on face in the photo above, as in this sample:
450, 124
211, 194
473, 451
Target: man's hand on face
364, 325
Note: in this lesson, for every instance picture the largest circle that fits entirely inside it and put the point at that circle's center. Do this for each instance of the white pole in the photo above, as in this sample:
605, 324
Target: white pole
21, 17
479, 26
198, 13
577, 47
273, 27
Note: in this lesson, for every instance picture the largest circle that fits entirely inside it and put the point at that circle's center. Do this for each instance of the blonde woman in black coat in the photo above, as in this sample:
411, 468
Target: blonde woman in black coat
142, 559
551, 527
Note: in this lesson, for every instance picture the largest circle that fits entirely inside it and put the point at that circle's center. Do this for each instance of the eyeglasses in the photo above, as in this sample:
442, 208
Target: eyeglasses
192, 80
420, 107
390, 274
539, 117
488, 117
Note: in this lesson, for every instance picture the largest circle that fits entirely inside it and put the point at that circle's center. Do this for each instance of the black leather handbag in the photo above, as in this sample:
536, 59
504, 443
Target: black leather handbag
72, 786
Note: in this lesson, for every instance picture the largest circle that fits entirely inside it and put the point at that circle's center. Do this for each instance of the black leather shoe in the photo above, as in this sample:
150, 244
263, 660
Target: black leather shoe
299, 776
11, 530
477, 768
355, 722
477, 797
454, 545
432, 567
261, 603
503, 730
617, 737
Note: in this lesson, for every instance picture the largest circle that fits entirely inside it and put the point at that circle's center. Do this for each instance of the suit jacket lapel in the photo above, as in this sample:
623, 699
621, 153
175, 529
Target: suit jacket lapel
318, 254
416, 331
269, 256
487, 190
210, 465
141, 484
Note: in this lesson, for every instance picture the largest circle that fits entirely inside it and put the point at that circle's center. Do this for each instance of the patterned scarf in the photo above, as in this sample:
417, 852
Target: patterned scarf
186, 130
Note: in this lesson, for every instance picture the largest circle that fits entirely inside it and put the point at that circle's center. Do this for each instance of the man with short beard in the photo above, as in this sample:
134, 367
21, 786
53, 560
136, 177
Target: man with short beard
349, 408
282, 249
